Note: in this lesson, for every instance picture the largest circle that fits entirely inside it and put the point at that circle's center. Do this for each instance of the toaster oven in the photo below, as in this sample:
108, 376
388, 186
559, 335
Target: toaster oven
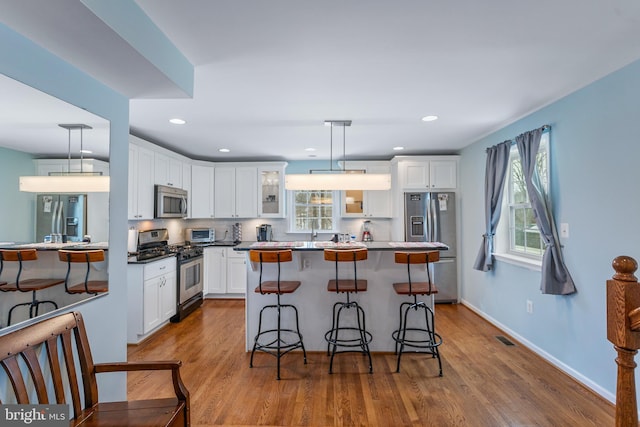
200, 235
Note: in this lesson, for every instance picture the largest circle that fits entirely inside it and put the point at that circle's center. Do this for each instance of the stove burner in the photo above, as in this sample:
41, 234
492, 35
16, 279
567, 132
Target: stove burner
185, 252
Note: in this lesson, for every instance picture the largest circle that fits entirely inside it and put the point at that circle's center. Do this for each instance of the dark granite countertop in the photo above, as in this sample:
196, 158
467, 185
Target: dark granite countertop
55, 246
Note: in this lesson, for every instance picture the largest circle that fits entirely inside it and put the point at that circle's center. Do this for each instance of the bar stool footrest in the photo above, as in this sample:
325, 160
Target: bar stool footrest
427, 343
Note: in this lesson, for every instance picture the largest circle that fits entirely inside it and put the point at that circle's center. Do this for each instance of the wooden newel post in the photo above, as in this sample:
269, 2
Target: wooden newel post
623, 330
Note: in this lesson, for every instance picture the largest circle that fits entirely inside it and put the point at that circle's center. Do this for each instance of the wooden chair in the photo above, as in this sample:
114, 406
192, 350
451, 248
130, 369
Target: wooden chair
86, 257
422, 338
265, 340
25, 285
350, 338
54, 377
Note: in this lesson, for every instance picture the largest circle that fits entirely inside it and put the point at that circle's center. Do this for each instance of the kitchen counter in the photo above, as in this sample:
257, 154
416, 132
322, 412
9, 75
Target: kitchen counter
134, 260
314, 302
40, 246
321, 245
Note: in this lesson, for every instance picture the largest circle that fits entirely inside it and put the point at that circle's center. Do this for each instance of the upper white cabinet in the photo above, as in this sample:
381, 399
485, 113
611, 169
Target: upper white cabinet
428, 173
141, 181
168, 170
202, 187
236, 192
370, 203
271, 190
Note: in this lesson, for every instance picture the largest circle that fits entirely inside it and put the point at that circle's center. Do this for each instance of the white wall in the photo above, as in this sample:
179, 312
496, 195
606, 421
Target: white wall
594, 161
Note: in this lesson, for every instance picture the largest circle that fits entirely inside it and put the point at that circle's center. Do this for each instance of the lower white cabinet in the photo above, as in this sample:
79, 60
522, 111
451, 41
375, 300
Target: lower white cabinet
225, 272
152, 291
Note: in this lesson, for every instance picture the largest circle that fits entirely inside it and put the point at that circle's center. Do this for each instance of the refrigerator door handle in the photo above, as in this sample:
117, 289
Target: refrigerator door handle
53, 217
434, 219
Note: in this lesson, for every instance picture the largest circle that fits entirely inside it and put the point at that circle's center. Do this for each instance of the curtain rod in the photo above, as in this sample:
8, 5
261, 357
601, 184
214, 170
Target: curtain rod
513, 140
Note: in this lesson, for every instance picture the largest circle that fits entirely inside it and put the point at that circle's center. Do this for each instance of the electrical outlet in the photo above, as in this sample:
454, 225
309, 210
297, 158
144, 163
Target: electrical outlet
564, 230
306, 263
529, 306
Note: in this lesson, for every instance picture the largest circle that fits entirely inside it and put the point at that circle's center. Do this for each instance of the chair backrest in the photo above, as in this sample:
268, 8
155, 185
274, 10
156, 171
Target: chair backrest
17, 255
87, 257
346, 255
409, 258
23, 347
276, 256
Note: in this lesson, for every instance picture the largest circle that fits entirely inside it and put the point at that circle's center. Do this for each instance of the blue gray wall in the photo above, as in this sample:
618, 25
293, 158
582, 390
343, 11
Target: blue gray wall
595, 151
15, 227
106, 317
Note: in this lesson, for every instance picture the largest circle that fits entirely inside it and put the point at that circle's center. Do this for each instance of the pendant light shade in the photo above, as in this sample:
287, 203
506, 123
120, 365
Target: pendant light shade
337, 179
67, 182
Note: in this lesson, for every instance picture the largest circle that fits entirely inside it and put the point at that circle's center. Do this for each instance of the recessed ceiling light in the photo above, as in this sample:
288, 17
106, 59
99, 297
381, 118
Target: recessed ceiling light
177, 121
429, 118
310, 149
224, 150
398, 148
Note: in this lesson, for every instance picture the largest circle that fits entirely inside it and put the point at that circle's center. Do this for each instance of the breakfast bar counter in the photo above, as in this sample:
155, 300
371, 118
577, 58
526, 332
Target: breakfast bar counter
380, 302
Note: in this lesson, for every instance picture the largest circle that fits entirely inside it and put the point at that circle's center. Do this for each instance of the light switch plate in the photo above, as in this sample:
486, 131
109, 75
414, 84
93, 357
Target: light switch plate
564, 230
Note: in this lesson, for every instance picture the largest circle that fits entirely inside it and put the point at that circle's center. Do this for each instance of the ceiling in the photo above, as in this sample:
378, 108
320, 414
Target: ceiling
268, 73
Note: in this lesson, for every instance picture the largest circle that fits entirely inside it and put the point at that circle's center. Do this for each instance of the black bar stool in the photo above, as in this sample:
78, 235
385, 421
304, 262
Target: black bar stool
25, 285
352, 339
276, 346
93, 287
422, 338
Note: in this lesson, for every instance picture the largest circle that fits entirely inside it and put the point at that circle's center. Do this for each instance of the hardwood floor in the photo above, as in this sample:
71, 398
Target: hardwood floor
484, 383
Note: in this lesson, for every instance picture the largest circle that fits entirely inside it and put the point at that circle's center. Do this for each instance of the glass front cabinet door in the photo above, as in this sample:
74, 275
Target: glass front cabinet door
271, 191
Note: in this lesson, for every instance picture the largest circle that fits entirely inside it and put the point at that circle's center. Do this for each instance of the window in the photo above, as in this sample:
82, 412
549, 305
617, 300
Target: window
524, 236
312, 210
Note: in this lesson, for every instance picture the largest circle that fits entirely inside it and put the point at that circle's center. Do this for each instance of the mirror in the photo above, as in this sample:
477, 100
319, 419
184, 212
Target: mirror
29, 131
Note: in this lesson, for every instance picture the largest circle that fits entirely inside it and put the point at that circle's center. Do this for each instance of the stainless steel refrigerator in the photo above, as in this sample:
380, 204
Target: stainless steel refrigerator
431, 217
64, 214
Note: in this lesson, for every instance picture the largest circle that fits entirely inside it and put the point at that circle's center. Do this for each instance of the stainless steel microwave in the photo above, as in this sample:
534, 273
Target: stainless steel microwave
200, 235
170, 202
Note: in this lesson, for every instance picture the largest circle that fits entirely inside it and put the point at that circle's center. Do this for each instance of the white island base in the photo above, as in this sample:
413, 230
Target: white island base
380, 303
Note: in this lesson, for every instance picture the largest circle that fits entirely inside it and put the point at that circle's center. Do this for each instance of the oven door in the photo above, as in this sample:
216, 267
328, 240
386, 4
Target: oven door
191, 280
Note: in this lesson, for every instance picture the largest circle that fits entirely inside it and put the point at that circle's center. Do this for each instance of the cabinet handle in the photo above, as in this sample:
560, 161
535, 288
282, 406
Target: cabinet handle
163, 267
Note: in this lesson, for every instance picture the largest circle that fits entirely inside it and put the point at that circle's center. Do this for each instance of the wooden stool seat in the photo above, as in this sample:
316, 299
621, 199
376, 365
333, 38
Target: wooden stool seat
346, 285
273, 287
355, 338
422, 337
25, 285
276, 341
415, 288
83, 257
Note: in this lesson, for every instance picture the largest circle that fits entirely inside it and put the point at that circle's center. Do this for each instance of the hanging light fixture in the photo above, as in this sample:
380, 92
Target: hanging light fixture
337, 179
67, 182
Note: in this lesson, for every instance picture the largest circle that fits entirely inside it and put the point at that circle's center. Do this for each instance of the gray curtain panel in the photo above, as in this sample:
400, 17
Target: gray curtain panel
497, 162
556, 279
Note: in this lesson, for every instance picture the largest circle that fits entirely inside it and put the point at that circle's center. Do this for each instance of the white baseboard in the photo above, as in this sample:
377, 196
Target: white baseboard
596, 388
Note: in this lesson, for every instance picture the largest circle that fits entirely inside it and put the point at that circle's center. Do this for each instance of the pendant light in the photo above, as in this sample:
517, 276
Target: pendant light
337, 179
67, 182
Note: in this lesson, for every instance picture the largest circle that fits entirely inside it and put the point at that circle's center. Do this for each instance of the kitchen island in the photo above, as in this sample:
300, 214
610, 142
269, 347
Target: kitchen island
314, 302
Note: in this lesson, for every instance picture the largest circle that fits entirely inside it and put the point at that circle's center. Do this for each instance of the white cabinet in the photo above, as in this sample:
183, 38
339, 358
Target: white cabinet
428, 174
215, 270
141, 181
236, 272
370, 203
168, 170
151, 298
202, 187
271, 190
225, 272
186, 184
236, 192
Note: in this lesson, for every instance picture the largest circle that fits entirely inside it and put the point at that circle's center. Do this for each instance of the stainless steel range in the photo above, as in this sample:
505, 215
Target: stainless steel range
190, 279
153, 244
